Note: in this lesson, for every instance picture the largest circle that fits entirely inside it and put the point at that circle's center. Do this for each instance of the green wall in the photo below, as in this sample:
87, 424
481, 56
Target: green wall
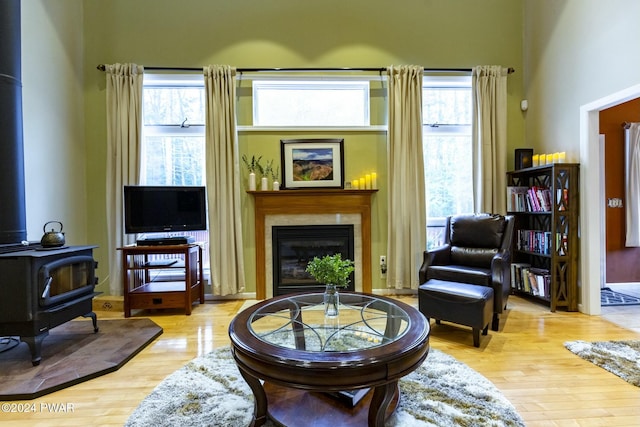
53, 111
293, 33
580, 51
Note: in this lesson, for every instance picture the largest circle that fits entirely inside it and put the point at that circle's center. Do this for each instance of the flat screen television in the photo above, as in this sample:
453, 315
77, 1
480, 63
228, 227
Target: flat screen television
152, 209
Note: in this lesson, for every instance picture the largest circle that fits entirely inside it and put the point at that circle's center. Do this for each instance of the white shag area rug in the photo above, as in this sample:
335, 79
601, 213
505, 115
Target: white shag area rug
621, 358
209, 391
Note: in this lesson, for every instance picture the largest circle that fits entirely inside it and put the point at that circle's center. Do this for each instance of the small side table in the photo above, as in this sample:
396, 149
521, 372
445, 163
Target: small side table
173, 280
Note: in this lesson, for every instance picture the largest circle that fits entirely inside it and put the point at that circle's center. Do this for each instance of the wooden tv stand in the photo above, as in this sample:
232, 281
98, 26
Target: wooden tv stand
162, 277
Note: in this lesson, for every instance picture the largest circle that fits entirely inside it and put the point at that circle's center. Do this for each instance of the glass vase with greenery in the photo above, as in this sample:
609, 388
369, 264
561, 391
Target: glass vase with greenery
334, 273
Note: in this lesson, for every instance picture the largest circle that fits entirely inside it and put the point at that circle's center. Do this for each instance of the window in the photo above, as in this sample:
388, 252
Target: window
173, 142
173, 134
447, 107
304, 102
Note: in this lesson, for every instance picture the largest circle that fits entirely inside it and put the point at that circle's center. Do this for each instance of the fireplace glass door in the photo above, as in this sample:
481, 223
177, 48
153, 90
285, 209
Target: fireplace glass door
295, 246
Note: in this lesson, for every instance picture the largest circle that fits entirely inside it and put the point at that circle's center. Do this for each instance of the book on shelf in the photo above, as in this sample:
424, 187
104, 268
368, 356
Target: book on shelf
532, 280
540, 282
528, 199
350, 397
516, 275
516, 199
540, 199
537, 241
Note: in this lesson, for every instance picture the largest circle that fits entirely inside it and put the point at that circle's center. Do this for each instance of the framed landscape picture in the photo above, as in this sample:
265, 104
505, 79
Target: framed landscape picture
312, 163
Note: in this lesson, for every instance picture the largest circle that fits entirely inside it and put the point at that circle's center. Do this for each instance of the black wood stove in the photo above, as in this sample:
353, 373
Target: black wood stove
41, 288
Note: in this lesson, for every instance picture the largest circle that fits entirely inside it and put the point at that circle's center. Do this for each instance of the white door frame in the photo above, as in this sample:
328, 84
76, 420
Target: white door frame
592, 225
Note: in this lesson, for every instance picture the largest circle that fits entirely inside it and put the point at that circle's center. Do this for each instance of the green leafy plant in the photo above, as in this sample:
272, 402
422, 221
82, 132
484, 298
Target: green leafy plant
331, 269
253, 164
269, 171
261, 169
275, 175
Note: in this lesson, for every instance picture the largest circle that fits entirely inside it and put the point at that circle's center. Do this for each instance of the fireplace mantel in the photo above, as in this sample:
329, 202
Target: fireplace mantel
299, 202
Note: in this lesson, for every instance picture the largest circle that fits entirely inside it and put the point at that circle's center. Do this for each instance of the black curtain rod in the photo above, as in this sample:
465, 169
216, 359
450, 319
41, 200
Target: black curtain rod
101, 67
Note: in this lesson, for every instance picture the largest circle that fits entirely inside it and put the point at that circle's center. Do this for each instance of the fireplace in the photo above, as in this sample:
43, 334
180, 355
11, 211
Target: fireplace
41, 288
294, 246
312, 207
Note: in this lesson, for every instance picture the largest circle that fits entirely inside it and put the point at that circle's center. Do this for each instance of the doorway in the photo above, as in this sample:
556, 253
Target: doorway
592, 222
622, 271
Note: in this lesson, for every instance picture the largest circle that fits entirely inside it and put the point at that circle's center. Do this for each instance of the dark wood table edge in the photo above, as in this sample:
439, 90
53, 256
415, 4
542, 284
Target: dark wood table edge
258, 360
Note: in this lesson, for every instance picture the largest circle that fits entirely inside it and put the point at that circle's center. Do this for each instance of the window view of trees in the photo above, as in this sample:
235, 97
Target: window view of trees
447, 152
448, 175
173, 143
173, 147
174, 160
170, 106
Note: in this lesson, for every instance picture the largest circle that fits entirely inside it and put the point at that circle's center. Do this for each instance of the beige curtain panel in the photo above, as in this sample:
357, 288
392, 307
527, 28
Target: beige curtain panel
124, 130
489, 133
407, 209
223, 181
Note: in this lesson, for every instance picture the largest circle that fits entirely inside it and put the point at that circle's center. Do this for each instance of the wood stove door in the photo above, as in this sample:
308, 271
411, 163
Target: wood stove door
65, 279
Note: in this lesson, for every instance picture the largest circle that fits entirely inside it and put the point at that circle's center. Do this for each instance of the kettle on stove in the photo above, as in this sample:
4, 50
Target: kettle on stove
52, 239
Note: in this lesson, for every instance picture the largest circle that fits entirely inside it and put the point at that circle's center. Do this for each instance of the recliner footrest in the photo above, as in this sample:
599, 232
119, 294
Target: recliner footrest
462, 303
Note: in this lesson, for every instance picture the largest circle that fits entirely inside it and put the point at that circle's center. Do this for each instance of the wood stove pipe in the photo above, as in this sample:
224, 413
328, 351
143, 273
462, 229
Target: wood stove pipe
12, 187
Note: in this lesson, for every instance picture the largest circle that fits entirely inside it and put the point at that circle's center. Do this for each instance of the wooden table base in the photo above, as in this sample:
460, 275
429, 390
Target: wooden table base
294, 407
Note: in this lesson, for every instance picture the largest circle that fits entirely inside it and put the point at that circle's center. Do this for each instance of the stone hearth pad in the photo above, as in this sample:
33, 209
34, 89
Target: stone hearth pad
71, 354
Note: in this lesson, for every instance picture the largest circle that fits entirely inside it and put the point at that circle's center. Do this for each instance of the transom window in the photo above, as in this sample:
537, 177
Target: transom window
310, 102
447, 148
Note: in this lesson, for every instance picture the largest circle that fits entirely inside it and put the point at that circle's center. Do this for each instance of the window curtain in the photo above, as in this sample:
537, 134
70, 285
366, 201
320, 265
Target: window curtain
124, 129
223, 181
489, 134
407, 209
632, 184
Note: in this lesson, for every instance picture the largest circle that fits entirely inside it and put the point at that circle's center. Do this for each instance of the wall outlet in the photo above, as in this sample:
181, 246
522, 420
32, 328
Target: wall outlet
383, 266
383, 260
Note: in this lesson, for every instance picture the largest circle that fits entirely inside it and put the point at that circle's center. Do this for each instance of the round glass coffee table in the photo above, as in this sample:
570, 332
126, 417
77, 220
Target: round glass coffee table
299, 363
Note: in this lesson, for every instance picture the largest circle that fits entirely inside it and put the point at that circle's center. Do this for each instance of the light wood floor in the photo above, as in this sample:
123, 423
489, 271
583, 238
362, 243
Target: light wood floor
526, 360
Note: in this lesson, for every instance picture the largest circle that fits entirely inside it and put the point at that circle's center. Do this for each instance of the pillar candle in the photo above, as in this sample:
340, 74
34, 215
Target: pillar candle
535, 160
367, 182
355, 184
556, 157
562, 157
549, 159
362, 184
374, 181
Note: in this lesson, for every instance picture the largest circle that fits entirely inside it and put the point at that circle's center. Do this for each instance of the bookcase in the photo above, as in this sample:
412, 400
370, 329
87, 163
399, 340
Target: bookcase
545, 253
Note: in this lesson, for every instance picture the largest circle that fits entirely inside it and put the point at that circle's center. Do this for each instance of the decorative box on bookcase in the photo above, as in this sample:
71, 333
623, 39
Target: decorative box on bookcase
544, 201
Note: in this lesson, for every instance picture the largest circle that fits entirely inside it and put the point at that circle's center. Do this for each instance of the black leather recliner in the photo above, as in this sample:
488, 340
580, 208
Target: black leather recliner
476, 250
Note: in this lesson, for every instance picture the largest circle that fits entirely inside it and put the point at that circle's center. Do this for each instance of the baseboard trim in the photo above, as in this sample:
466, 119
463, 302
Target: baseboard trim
108, 303
239, 296
116, 303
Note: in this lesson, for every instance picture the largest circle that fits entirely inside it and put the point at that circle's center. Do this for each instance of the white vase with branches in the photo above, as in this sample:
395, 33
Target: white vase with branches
252, 166
274, 174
